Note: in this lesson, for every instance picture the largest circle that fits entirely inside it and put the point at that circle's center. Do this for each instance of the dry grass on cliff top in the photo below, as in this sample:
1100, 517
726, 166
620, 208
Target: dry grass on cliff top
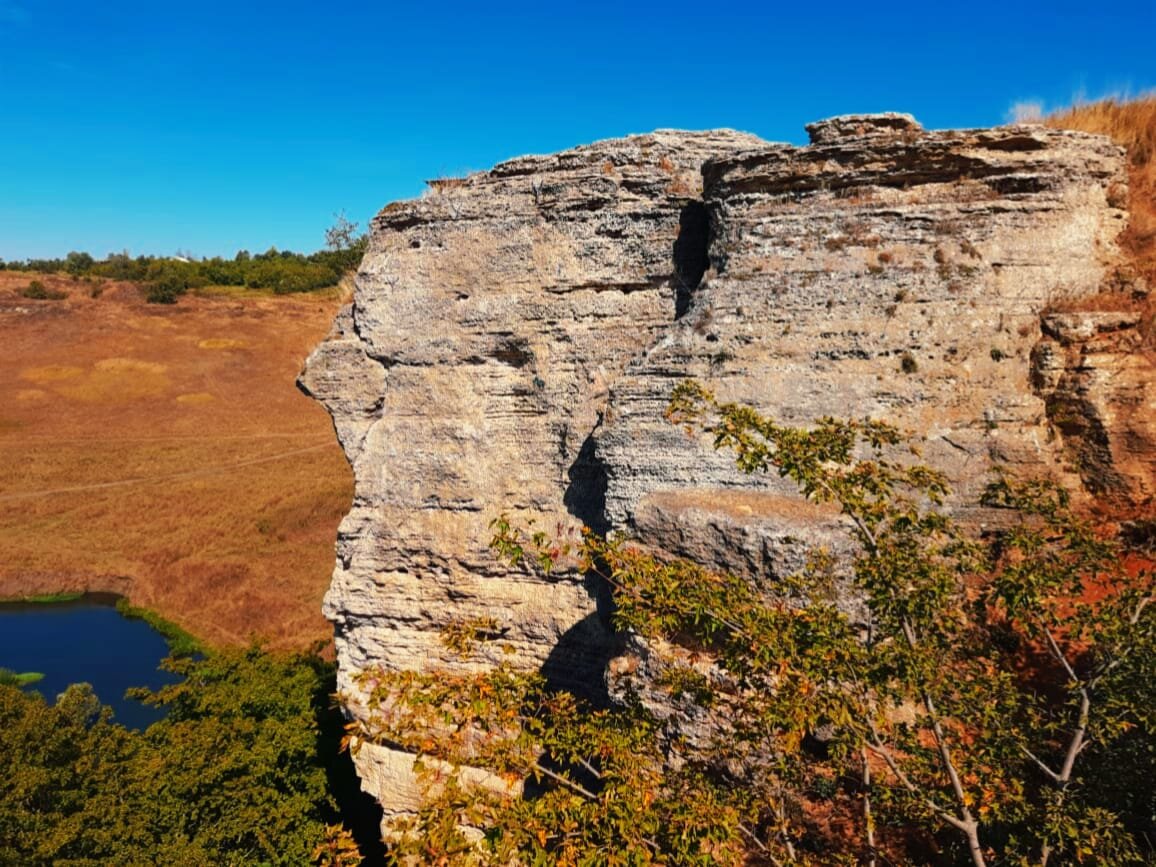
165, 452
1131, 124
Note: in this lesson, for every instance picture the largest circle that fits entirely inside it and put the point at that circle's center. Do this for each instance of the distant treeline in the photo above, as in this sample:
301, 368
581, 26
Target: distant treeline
167, 278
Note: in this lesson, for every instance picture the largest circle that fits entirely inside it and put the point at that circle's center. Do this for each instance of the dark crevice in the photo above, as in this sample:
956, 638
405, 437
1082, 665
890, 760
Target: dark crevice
585, 496
357, 811
1008, 185
690, 254
1013, 143
515, 353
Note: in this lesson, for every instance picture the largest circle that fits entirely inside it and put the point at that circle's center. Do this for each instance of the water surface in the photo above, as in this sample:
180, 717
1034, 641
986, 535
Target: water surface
85, 641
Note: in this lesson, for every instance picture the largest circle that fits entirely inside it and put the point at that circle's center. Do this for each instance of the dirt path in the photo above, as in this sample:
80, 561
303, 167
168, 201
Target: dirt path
170, 477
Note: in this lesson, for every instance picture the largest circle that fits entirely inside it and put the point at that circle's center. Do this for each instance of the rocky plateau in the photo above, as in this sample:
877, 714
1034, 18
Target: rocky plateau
515, 335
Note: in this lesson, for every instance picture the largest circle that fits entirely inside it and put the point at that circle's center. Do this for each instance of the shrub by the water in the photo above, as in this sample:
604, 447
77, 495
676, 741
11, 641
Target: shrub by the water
13, 678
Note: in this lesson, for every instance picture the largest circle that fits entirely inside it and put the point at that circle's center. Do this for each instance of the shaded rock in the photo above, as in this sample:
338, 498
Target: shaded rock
1096, 372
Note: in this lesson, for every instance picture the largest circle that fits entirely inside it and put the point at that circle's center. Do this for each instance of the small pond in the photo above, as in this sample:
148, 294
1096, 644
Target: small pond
86, 640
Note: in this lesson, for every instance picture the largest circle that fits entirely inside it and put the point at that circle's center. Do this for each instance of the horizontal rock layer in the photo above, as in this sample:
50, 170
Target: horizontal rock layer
885, 273
515, 334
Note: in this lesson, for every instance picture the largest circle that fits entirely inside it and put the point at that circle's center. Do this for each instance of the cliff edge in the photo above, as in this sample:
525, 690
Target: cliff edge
515, 334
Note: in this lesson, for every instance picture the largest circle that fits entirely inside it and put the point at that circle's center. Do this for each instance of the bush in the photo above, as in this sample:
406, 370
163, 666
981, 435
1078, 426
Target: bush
168, 279
289, 275
37, 291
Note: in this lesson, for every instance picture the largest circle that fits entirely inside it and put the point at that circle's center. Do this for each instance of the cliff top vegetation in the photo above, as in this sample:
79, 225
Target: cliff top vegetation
165, 278
1132, 125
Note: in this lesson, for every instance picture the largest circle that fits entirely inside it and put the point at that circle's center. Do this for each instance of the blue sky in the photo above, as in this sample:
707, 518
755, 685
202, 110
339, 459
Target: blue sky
211, 126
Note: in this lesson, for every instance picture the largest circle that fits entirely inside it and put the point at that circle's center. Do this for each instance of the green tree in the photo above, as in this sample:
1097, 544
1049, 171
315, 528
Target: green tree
168, 279
342, 234
344, 246
234, 774
78, 263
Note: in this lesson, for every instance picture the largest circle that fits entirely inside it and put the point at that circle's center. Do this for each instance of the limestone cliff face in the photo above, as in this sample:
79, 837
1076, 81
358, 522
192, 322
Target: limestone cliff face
883, 271
514, 336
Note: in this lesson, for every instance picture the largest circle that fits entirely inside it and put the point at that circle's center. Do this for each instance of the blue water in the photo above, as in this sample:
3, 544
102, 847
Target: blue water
85, 641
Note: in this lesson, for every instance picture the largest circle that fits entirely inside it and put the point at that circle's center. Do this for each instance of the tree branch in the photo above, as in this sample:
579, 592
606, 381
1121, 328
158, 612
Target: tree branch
868, 818
566, 782
750, 835
1076, 743
1042, 766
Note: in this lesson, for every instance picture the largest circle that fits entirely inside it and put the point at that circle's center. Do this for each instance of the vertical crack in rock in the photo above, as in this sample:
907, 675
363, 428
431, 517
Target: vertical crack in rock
690, 254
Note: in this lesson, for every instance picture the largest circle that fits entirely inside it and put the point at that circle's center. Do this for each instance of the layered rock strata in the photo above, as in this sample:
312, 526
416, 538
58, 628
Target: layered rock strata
467, 378
515, 334
882, 272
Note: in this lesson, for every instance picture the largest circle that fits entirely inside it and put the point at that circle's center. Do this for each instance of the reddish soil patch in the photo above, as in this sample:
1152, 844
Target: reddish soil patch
165, 452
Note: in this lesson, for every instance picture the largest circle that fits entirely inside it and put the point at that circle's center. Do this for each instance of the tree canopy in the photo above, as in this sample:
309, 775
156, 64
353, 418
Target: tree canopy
237, 772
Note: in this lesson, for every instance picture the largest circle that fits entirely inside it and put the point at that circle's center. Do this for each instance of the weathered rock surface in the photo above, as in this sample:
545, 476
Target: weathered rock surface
489, 318
515, 334
882, 272
1096, 371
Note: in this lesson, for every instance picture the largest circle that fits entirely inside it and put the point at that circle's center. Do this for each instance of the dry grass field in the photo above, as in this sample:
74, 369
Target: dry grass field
164, 452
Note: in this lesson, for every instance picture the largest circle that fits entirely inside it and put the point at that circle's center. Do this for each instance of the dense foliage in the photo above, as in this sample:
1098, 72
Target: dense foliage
238, 771
167, 278
946, 698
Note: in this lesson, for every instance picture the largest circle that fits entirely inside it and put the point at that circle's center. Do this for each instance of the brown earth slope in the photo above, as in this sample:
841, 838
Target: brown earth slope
164, 453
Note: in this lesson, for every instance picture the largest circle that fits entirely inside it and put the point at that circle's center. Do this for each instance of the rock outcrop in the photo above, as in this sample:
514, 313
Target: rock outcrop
1096, 371
515, 334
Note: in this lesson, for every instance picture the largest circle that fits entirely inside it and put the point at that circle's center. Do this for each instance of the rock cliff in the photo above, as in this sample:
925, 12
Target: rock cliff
515, 334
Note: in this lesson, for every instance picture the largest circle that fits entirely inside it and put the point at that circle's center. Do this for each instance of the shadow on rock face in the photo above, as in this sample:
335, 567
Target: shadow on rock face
577, 663
585, 496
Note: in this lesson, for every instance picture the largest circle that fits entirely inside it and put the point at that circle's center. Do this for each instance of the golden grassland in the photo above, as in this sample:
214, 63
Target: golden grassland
165, 452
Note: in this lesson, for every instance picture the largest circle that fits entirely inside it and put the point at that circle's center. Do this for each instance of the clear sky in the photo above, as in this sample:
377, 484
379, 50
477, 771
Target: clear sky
211, 126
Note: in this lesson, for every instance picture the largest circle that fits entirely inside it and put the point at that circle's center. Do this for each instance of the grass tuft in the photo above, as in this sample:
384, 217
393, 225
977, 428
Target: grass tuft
51, 598
12, 678
181, 643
